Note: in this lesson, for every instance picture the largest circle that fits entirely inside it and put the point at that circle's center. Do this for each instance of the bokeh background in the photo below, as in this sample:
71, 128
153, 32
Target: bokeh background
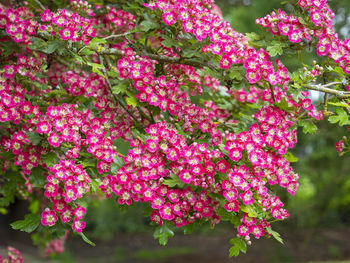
318, 229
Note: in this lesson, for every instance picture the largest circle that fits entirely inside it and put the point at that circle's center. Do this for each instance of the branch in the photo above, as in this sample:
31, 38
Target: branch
119, 35
161, 58
116, 97
323, 88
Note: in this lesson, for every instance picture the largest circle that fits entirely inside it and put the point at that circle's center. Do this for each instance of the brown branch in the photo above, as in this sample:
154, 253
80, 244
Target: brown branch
324, 88
116, 97
161, 58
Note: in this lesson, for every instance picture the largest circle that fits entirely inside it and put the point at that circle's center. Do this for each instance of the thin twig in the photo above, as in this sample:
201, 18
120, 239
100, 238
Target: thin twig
40, 4
324, 88
162, 58
116, 97
119, 35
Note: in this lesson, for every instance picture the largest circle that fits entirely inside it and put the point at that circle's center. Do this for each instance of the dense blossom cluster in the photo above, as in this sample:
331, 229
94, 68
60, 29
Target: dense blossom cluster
321, 15
197, 18
14, 256
189, 161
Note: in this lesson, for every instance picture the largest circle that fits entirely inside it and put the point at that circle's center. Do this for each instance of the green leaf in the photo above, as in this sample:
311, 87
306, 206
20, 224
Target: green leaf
339, 104
120, 88
163, 233
249, 210
276, 48
33, 137
252, 36
118, 162
238, 245
236, 74
276, 235
188, 53
284, 105
37, 178
52, 46
86, 239
50, 159
147, 25
95, 42
131, 100
29, 224
308, 126
290, 157
175, 181
169, 42
341, 116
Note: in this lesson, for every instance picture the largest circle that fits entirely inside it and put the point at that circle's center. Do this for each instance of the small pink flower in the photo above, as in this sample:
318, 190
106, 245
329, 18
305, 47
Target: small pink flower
78, 225
169, 18
48, 217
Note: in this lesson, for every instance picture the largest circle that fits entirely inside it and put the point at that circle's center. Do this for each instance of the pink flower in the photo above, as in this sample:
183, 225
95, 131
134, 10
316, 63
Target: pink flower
169, 18
48, 217
78, 225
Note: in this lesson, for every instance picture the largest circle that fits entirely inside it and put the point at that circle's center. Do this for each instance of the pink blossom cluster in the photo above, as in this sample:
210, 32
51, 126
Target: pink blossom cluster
321, 15
162, 156
56, 245
18, 22
13, 104
262, 146
118, 21
68, 25
14, 256
166, 93
66, 183
197, 18
256, 94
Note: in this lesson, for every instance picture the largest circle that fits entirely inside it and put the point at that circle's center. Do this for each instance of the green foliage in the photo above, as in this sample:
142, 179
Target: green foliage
238, 246
276, 235
28, 224
341, 116
162, 233
308, 126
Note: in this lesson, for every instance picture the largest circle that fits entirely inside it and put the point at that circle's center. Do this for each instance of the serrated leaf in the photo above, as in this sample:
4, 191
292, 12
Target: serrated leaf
95, 42
50, 159
308, 126
147, 25
276, 48
238, 245
249, 210
284, 105
37, 178
341, 116
290, 157
131, 100
176, 181
120, 88
28, 224
52, 45
252, 36
34, 137
162, 233
275, 234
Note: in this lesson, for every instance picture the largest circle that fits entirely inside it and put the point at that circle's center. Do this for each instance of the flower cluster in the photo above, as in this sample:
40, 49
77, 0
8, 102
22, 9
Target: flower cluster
19, 23
67, 182
14, 256
321, 15
233, 48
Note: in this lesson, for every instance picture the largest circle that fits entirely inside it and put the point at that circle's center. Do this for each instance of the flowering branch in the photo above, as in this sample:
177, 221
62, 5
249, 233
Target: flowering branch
116, 97
161, 58
324, 88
